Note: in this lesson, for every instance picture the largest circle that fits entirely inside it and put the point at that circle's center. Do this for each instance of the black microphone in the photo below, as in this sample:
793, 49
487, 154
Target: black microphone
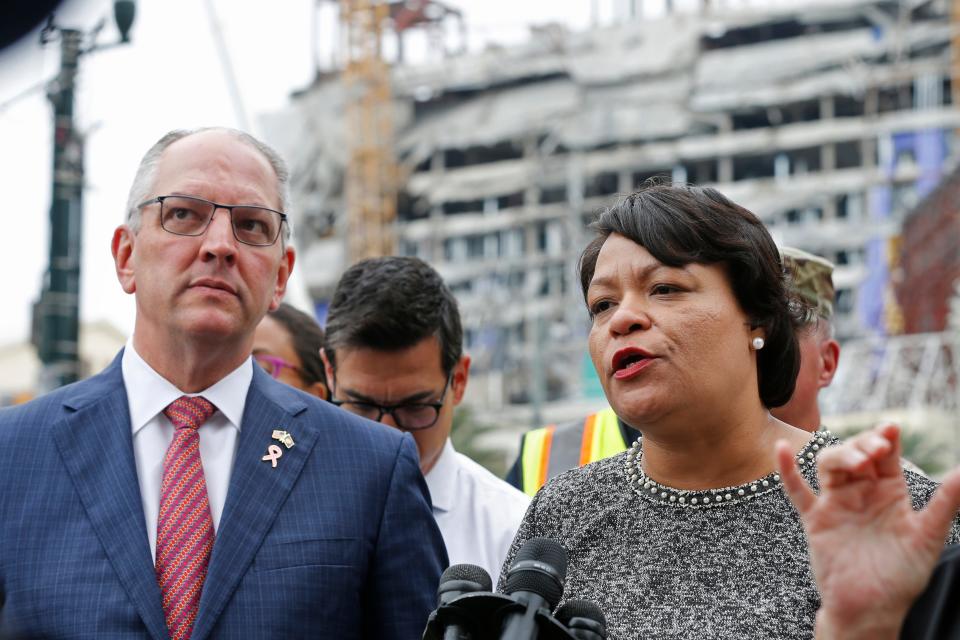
535, 581
455, 582
583, 619
460, 579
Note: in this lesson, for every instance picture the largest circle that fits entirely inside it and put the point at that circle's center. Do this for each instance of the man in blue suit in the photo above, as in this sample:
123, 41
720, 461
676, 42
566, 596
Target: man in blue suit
183, 493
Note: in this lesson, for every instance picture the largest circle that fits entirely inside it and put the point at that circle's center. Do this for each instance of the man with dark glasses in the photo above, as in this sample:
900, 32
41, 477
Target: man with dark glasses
394, 353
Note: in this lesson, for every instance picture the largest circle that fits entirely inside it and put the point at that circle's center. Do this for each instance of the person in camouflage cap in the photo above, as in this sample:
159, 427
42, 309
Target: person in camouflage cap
811, 281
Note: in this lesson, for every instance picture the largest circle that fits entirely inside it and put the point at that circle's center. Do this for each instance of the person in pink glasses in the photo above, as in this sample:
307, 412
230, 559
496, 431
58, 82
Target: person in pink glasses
287, 345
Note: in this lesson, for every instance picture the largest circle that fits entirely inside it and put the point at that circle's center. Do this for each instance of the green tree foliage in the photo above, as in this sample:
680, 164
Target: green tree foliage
468, 437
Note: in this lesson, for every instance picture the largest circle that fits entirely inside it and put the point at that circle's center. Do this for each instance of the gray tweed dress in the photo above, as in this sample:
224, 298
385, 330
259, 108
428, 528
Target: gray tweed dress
663, 563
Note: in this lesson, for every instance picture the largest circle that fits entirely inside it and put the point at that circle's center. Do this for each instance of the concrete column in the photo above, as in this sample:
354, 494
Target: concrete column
725, 163
437, 168
868, 145
828, 151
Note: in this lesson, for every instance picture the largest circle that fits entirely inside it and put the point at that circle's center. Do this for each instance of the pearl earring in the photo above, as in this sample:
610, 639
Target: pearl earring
758, 343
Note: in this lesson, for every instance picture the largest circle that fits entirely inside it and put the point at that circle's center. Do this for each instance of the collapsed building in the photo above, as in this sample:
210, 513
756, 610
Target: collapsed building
829, 121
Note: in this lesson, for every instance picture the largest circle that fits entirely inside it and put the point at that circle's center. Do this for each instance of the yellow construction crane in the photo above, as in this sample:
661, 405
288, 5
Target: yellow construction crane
370, 184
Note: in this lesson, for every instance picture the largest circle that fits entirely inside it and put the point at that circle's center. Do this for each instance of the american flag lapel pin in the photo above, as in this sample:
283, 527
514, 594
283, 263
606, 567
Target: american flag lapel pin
283, 437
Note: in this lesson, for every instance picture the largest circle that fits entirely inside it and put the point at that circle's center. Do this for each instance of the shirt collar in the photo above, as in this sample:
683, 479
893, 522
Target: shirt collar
149, 393
442, 479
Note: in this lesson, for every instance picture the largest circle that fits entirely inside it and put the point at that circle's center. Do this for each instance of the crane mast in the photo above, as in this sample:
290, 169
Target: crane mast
370, 184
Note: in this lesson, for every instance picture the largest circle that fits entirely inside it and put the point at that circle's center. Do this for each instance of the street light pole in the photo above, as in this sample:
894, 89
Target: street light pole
60, 299
57, 313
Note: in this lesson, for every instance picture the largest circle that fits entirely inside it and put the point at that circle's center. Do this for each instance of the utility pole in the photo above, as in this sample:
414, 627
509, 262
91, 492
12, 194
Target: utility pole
57, 313
59, 305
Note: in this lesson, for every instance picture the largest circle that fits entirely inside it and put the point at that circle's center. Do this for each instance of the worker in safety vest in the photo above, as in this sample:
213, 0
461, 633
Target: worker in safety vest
549, 451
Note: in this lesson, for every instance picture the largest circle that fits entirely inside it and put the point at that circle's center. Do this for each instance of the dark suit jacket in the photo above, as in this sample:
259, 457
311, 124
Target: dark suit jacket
338, 541
936, 613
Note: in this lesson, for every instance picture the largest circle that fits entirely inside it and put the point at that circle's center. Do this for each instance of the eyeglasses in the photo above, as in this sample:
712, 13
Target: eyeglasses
411, 416
274, 365
189, 216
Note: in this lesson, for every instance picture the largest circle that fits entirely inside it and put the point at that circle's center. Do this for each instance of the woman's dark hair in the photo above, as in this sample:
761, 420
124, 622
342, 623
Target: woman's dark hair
680, 225
390, 304
307, 337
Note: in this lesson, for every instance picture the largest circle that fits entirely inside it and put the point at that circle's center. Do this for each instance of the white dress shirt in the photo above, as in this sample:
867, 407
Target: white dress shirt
477, 512
148, 394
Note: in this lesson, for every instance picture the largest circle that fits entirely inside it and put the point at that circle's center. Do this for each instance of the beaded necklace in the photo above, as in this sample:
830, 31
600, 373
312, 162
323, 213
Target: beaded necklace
650, 489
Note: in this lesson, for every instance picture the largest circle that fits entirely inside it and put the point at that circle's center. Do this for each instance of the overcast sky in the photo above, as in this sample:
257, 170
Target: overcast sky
170, 77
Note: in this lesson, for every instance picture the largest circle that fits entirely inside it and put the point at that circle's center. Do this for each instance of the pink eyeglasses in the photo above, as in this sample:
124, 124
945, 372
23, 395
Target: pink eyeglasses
274, 365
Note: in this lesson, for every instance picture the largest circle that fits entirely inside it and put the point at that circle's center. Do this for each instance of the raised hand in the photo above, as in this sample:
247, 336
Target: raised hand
871, 553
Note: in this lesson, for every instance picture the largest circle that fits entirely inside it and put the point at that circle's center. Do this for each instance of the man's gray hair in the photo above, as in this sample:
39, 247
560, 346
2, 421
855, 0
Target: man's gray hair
147, 171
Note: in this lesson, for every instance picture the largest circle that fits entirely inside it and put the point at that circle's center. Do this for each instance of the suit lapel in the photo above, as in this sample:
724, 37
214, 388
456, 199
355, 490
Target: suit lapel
257, 491
96, 445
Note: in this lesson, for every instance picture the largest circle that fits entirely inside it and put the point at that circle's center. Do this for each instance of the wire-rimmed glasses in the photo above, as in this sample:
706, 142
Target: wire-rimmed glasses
190, 216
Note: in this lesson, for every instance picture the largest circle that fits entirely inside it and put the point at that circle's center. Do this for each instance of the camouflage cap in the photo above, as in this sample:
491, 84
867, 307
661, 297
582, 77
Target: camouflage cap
812, 280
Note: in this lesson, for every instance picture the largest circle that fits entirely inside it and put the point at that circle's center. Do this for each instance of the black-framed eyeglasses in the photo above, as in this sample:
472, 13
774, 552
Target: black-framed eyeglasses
190, 216
411, 416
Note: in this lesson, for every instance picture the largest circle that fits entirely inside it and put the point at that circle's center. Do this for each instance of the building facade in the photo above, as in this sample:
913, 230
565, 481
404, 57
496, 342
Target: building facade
829, 121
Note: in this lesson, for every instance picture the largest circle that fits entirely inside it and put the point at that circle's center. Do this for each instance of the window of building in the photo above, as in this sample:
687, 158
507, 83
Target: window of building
895, 98
491, 246
411, 208
458, 207
510, 200
551, 195
499, 152
806, 160
703, 171
802, 111
424, 165
848, 154
847, 106
512, 243
602, 184
455, 249
412, 248
461, 288
640, 178
475, 247
550, 237
750, 119
844, 301
753, 166
516, 280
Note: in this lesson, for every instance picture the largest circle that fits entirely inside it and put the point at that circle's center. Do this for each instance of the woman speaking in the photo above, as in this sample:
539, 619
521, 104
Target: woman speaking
689, 533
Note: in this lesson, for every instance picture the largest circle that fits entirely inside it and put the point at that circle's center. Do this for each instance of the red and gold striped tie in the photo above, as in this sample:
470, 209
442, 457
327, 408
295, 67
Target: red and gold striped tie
184, 526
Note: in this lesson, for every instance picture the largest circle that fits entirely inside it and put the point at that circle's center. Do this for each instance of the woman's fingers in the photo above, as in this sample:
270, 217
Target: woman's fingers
838, 465
797, 489
889, 465
867, 455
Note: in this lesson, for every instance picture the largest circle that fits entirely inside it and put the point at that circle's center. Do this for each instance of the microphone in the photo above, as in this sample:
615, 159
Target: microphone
583, 619
456, 581
460, 579
535, 581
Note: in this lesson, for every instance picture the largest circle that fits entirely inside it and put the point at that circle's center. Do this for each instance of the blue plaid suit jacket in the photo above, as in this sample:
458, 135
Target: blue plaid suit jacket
338, 541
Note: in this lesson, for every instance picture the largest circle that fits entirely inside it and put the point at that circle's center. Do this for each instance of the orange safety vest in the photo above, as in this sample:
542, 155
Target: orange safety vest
549, 451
